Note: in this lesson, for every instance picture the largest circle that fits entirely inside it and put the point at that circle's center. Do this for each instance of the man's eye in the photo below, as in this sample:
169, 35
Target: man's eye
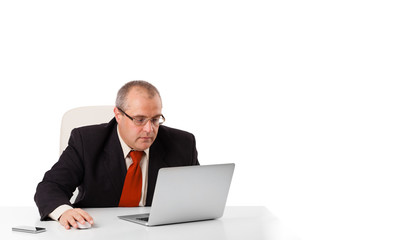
140, 120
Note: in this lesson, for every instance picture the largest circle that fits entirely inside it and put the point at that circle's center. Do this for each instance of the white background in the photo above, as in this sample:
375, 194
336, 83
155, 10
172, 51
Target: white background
313, 100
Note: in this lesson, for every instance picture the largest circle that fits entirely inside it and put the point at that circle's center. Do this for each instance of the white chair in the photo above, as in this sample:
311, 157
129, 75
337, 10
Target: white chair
82, 116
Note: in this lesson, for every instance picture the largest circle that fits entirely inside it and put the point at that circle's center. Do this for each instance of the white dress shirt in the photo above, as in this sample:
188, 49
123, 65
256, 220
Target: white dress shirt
55, 215
143, 164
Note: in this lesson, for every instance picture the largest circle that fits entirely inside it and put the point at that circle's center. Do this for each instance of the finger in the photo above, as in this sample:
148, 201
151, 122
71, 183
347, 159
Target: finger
85, 216
79, 219
64, 223
88, 218
72, 222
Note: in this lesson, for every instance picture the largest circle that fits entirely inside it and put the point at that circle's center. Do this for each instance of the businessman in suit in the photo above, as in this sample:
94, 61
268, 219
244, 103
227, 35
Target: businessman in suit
116, 163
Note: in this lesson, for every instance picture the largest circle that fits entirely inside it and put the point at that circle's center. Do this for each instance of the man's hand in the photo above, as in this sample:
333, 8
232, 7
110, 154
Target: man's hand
69, 218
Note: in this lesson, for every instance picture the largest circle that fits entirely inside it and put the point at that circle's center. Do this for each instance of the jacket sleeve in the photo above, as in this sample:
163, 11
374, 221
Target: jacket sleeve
61, 180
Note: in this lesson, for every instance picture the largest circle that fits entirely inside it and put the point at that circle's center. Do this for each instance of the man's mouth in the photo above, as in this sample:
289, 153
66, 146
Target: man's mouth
145, 138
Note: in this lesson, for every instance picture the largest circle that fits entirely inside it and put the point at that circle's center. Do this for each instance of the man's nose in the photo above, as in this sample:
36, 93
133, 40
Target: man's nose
148, 127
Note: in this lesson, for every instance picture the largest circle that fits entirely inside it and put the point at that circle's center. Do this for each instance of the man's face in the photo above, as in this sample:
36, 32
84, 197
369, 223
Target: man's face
139, 105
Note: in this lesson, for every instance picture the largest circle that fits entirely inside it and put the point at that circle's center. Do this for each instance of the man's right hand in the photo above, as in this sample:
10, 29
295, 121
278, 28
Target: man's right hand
69, 218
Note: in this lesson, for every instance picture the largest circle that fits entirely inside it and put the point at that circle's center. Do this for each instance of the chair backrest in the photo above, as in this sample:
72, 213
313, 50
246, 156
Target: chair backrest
82, 116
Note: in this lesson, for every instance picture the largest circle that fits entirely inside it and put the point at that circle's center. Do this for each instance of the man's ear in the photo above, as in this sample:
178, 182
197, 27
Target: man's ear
117, 114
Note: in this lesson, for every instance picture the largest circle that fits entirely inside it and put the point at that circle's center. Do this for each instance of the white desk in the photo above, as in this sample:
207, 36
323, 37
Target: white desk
237, 223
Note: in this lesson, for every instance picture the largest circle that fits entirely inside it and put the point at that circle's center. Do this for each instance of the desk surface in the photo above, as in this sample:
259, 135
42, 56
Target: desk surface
237, 223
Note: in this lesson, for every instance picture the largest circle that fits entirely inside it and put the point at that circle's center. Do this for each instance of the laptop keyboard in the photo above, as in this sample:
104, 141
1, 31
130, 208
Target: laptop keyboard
142, 217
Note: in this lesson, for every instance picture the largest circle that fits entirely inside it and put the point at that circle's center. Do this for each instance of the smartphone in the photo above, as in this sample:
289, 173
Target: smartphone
28, 229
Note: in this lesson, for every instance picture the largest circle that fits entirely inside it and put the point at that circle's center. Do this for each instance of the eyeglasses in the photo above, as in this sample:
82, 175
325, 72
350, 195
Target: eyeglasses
141, 121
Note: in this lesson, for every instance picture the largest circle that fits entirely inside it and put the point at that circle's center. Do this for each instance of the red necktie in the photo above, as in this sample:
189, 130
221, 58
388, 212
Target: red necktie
131, 192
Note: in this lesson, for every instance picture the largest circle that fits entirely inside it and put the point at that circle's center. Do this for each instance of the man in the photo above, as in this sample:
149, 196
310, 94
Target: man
116, 163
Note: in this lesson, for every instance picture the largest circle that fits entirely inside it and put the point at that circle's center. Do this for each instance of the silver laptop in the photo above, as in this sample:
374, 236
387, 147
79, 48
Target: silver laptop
186, 194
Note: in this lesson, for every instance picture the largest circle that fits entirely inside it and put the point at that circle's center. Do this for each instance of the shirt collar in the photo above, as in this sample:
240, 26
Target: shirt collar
125, 148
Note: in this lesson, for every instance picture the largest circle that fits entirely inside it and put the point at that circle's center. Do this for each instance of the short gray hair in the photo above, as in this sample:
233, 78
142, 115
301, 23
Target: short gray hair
124, 90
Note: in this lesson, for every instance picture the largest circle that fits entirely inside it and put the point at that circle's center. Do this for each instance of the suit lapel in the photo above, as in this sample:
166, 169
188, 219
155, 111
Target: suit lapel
114, 162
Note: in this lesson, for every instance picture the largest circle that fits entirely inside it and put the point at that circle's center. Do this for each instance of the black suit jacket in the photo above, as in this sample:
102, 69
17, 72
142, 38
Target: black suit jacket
94, 162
